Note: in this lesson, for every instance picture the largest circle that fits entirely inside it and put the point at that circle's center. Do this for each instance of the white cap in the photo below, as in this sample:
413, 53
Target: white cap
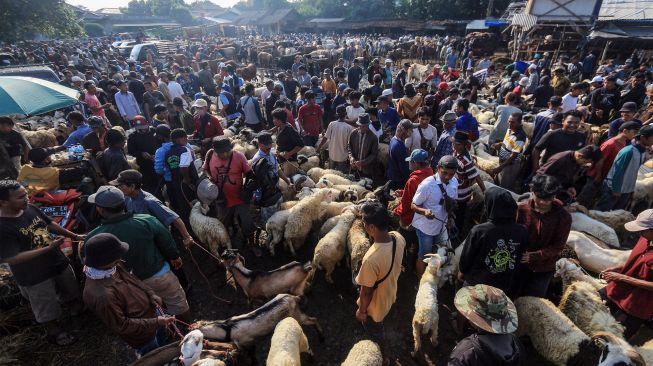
523, 81
201, 103
77, 79
597, 79
386, 92
532, 66
388, 61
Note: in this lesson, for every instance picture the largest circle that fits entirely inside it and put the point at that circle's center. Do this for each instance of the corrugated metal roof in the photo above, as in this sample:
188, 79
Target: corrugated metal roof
476, 24
326, 20
218, 20
629, 10
274, 16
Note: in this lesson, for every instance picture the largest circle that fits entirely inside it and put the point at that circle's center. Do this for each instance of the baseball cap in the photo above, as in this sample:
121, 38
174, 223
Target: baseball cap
107, 196
418, 156
140, 123
103, 249
129, 176
448, 161
407, 124
443, 86
597, 79
523, 81
646, 131
76, 79
162, 130
632, 125
386, 93
342, 86
200, 103
644, 221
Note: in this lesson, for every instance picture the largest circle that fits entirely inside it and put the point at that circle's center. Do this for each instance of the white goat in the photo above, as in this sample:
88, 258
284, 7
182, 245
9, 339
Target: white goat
288, 341
592, 257
191, 347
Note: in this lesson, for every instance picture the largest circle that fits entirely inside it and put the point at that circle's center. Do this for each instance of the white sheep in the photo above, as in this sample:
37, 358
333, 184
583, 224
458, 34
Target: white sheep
316, 173
545, 324
209, 230
646, 350
288, 341
360, 191
617, 351
209, 362
569, 271
583, 223
592, 257
301, 219
485, 117
328, 225
582, 304
330, 209
357, 244
331, 248
364, 353
40, 138
191, 347
275, 228
425, 318
334, 179
307, 163
307, 151
614, 219
288, 205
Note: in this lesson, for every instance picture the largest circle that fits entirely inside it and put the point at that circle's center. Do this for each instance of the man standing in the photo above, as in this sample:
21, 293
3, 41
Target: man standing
560, 82
548, 225
466, 122
420, 170
630, 287
378, 274
425, 135
142, 144
559, 140
126, 103
337, 135
92, 101
433, 204
467, 175
310, 120
38, 266
398, 171
289, 142
151, 247
445, 146
177, 163
207, 126
388, 116
205, 77
151, 99
251, 109
354, 75
603, 101
510, 153
16, 145
363, 148
619, 184
627, 111
110, 290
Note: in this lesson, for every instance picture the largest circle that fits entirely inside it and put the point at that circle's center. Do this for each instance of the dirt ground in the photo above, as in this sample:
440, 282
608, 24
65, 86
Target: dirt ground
22, 342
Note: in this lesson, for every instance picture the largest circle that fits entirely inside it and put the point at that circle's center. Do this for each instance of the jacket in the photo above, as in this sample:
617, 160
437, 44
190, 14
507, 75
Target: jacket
364, 148
403, 210
488, 349
124, 305
623, 174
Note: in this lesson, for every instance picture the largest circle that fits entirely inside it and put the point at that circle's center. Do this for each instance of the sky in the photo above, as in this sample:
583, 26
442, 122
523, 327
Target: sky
98, 4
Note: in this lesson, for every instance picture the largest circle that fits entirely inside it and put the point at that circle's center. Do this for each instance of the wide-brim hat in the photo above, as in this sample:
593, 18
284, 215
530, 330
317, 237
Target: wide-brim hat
200, 103
363, 119
104, 249
488, 308
629, 107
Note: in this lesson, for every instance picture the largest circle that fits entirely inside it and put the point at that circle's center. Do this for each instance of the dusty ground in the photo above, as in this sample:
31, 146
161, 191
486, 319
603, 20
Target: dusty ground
334, 305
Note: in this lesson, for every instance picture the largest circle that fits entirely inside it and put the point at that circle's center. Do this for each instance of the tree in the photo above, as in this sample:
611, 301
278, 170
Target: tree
94, 30
138, 7
182, 15
24, 19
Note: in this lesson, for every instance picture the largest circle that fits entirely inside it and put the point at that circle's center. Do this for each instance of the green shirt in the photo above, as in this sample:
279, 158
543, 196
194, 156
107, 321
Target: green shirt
150, 243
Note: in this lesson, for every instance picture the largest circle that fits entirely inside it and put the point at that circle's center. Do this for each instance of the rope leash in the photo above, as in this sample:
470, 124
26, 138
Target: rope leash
208, 283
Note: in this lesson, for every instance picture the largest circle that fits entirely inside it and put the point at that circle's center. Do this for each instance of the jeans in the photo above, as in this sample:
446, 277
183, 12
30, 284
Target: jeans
156, 342
426, 242
608, 202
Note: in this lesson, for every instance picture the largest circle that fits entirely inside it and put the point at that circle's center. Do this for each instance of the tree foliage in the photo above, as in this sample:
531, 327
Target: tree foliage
93, 29
24, 19
175, 9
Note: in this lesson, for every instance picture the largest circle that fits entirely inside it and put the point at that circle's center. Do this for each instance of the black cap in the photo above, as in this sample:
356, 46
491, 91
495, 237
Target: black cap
95, 121
129, 176
103, 249
632, 125
178, 102
448, 161
163, 131
646, 131
160, 108
265, 138
363, 119
38, 155
177, 133
461, 137
114, 137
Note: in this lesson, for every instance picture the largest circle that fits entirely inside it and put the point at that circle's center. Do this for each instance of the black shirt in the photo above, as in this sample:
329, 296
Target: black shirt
557, 141
563, 166
291, 87
138, 89
139, 142
13, 142
288, 139
605, 100
634, 94
27, 232
542, 95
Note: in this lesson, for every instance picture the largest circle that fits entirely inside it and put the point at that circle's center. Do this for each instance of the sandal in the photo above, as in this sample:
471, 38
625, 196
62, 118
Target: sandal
62, 339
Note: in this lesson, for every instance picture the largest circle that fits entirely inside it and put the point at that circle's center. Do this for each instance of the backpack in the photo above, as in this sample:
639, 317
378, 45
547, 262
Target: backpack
231, 108
262, 184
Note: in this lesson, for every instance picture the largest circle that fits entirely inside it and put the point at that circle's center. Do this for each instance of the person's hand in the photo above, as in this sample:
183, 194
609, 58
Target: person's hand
146, 155
495, 171
79, 237
613, 276
461, 277
57, 242
572, 192
176, 263
399, 192
496, 145
188, 242
156, 299
599, 113
361, 315
165, 320
527, 258
429, 214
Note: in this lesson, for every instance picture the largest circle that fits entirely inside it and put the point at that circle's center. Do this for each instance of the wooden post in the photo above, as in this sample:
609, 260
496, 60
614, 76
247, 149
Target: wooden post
562, 39
605, 51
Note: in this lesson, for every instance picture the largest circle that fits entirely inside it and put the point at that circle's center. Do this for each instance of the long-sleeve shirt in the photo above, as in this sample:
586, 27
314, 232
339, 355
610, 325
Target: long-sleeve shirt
622, 176
124, 305
397, 165
404, 211
547, 234
76, 136
127, 105
364, 147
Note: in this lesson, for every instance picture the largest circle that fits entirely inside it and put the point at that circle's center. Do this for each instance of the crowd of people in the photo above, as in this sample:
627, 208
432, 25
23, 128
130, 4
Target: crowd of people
134, 273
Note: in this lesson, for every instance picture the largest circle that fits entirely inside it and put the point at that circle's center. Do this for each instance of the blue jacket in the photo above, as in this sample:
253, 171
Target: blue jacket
623, 174
76, 136
159, 162
466, 122
389, 118
398, 170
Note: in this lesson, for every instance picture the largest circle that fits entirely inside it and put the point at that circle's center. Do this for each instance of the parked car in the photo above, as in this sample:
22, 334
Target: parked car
39, 72
139, 52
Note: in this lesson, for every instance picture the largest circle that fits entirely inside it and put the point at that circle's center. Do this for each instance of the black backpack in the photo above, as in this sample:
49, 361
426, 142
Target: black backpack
263, 178
231, 108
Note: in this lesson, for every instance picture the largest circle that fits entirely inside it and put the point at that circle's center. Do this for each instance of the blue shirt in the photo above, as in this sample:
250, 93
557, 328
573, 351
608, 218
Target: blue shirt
225, 102
389, 118
127, 104
614, 126
76, 136
160, 166
444, 145
451, 60
466, 122
398, 170
146, 203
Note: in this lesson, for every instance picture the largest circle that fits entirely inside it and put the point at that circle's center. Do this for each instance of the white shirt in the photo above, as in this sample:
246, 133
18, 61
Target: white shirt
353, 113
175, 90
569, 102
428, 196
415, 140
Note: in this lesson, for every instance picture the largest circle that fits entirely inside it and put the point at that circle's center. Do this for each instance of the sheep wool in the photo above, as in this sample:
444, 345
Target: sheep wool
614, 219
642, 196
288, 341
209, 230
316, 173
646, 350
331, 248
364, 353
328, 225
275, 228
591, 256
335, 179
584, 223
330, 209
301, 219
40, 138
582, 304
425, 318
357, 244
570, 271
209, 362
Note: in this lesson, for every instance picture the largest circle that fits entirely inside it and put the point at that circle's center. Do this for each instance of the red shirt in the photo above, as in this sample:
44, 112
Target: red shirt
403, 210
310, 118
634, 300
232, 179
609, 151
212, 129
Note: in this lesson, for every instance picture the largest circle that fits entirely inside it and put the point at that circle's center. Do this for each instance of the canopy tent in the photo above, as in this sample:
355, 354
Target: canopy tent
25, 95
623, 31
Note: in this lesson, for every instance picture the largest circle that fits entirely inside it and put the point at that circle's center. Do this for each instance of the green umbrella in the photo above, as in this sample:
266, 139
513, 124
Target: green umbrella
30, 96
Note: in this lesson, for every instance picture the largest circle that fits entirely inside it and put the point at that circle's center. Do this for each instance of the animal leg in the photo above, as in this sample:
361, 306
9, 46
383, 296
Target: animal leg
310, 320
417, 337
434, 333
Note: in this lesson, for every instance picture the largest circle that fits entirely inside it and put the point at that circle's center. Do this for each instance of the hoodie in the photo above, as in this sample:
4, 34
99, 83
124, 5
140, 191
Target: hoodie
492, 250
487, 349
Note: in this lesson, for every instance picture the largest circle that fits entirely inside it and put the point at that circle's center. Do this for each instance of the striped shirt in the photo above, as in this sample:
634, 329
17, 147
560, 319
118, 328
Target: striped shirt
466, 174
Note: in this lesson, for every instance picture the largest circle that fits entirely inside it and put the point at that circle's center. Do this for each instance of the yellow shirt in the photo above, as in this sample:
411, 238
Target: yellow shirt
375, 266
329, 86
39, 179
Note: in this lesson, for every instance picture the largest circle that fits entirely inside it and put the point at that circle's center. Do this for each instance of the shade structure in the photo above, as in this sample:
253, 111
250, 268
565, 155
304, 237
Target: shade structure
30, 96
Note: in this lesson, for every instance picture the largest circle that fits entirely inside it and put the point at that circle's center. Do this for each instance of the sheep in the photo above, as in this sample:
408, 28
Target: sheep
617, 351
209, 362
332, 180
263, 285
485, 117
288, 341
40, 138
300, 180
357, 244
528, 128
642, 196
331, 248
359, 190
288, 205
592, 257
331, 209
328, 225
364, 353
646, 350
306, 192
585, 308
132, 162
569, 271
583, 223
301, 219
307, 151
245, 329
308, 162
191, 347
425, 318
245, 148
316, 173
209, 230
288, 192
614, 219
275, 228
553, 335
